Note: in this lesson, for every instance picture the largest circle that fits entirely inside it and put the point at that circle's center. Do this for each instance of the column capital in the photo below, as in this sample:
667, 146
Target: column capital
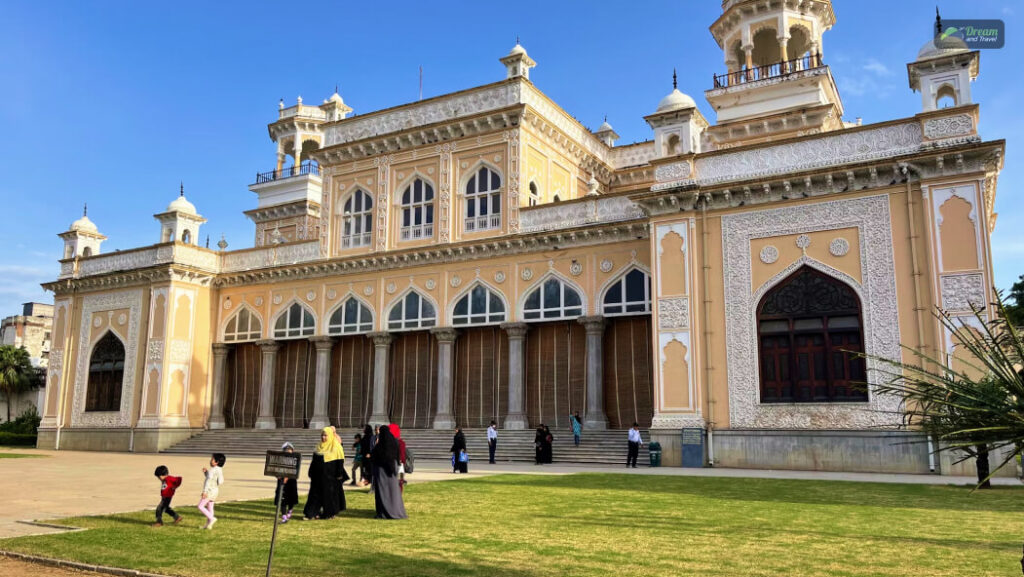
221, 349
444, 334
381, 338
593, 324
269, 345
322, 343
515, 330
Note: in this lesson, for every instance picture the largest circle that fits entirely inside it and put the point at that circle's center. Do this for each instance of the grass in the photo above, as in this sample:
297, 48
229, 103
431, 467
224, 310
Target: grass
587, 525
18, 455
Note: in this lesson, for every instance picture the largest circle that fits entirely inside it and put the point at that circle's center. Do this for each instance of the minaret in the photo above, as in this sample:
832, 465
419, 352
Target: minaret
606, 134
180, 222
517, 62
82, 238
944, 70
678, 124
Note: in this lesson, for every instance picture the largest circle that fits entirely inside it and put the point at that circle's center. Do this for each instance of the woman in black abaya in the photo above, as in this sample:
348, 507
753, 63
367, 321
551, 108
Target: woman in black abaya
538, 445
387, 494
325, 472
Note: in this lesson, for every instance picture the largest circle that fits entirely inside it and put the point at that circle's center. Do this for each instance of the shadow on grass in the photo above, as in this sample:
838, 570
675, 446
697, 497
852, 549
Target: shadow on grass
795, 491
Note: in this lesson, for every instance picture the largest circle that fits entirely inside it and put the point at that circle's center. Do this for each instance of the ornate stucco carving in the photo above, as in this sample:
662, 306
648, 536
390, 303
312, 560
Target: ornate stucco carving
674, 171
445, 186
568, 215
839, 246
155, 351
948, 126
961, 291
101, 303
677, 421
636, 155
674, 313
833, 149
870, 216
769, 254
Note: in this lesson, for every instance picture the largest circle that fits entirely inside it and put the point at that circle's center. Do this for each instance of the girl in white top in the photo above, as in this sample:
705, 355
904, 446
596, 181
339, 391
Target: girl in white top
211, 487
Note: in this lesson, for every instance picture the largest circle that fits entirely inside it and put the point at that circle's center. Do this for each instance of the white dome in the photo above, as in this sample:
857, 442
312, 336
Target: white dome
517, 49
605, 127
675, 101
84, 224
937, 47
181, 204
336, 98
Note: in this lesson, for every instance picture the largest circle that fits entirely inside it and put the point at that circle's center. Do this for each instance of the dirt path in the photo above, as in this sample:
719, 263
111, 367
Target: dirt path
15, 568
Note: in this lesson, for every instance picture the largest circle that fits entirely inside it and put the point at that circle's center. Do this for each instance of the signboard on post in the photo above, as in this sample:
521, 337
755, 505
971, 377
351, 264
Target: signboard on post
282, 465
693, 447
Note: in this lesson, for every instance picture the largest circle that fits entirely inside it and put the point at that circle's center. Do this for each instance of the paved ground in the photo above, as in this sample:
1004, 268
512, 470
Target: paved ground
14, 568
67, 483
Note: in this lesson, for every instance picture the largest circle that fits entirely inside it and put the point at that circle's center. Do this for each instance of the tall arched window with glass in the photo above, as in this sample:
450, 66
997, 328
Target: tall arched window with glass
553, 300
629, 295
106, 375
357, 220
295, 322
244, 326
479, 306
411, 313
352, 317
483, 201
417, 211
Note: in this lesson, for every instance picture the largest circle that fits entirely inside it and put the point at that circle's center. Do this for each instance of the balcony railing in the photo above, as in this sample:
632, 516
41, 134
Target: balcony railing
355, 240
308, 167
776, 70
417, 232
484, 222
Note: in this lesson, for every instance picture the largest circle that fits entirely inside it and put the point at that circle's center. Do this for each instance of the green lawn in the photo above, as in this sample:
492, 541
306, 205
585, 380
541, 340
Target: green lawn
588, 524
18, 455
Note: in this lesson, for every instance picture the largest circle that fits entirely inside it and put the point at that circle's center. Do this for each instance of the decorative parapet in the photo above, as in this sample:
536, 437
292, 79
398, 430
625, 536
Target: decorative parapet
164, 254
303, 111
275, 255
631, 155
572, 214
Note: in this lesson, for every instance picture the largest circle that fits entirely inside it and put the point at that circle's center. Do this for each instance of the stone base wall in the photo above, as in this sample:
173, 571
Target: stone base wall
113, 440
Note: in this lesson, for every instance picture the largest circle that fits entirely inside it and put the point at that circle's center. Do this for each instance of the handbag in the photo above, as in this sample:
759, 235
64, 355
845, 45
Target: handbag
463, 457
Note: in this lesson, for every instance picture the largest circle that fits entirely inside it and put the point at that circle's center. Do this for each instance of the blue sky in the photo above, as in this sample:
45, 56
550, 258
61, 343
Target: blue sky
114, 103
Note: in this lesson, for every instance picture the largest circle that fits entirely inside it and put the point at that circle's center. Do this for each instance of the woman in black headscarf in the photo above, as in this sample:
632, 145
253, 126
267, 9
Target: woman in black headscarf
538, 445
365, 446
387, 495
458, 450
548, 445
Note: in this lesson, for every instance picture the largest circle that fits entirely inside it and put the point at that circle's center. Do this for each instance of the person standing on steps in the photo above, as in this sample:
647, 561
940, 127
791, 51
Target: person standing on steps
460, 459
549, 442
538, 445
577, 427
492, 441
635, 442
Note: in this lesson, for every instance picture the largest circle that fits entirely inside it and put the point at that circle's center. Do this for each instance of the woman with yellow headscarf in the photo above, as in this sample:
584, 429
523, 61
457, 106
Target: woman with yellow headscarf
326, 496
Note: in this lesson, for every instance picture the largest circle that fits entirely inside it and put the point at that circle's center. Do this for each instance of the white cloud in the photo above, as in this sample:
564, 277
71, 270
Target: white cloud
877, 68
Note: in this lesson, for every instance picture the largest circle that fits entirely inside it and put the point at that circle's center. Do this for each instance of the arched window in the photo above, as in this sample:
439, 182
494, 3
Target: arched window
186, 237
809, 327
296, 321
357, 220
411, 313
244, 326
483, 200
556, 198
630, 294
87, 251
417, 211
534, 194
553, 300
479, 306
945, 97
106, 375
352, 317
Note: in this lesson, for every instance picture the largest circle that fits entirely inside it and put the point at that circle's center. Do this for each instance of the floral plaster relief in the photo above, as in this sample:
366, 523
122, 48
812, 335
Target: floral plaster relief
818, 249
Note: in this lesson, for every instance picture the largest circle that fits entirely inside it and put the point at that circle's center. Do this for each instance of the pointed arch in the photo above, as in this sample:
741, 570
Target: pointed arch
481, 188
106, 374
416, 203
244, 325
810, 331
627, 293
356, 212
295, 320
478, 305
569, 301
411, 311
352, 316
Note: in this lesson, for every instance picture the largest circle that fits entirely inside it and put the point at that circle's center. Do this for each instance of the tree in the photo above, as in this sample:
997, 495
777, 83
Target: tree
975, 405
16, 373
1015, 312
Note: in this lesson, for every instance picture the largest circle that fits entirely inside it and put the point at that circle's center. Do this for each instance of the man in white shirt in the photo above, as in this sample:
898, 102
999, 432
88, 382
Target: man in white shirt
492, 441
635, 442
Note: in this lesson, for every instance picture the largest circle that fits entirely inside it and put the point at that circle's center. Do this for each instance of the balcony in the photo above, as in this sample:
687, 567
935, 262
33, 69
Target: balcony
307, 167
355, 240
776, 70
303, 111
417, 232
484, 222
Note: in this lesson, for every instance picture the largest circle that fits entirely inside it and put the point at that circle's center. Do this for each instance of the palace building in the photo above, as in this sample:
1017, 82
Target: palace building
482, 255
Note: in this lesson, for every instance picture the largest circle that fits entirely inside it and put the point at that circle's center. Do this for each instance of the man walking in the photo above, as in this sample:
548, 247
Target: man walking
577, 427
492, 441
635, 442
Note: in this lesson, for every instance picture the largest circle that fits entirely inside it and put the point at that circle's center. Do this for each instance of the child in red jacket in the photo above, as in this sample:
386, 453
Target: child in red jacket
168, 485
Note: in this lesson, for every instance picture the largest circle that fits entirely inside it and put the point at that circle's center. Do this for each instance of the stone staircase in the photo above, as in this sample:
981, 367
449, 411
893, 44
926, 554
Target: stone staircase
596, 448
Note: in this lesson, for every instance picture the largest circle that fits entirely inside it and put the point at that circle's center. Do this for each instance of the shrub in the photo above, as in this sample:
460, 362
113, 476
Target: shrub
17, 439
27, 423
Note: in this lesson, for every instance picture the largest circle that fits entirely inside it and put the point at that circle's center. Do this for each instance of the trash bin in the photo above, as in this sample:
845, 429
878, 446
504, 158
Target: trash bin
655, 451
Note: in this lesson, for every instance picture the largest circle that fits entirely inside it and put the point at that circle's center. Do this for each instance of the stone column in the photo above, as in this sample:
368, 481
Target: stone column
381, 347
516, 417
444, 419
595, 417
323, 376
220, 358
265, 418
748, 61
783, 54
